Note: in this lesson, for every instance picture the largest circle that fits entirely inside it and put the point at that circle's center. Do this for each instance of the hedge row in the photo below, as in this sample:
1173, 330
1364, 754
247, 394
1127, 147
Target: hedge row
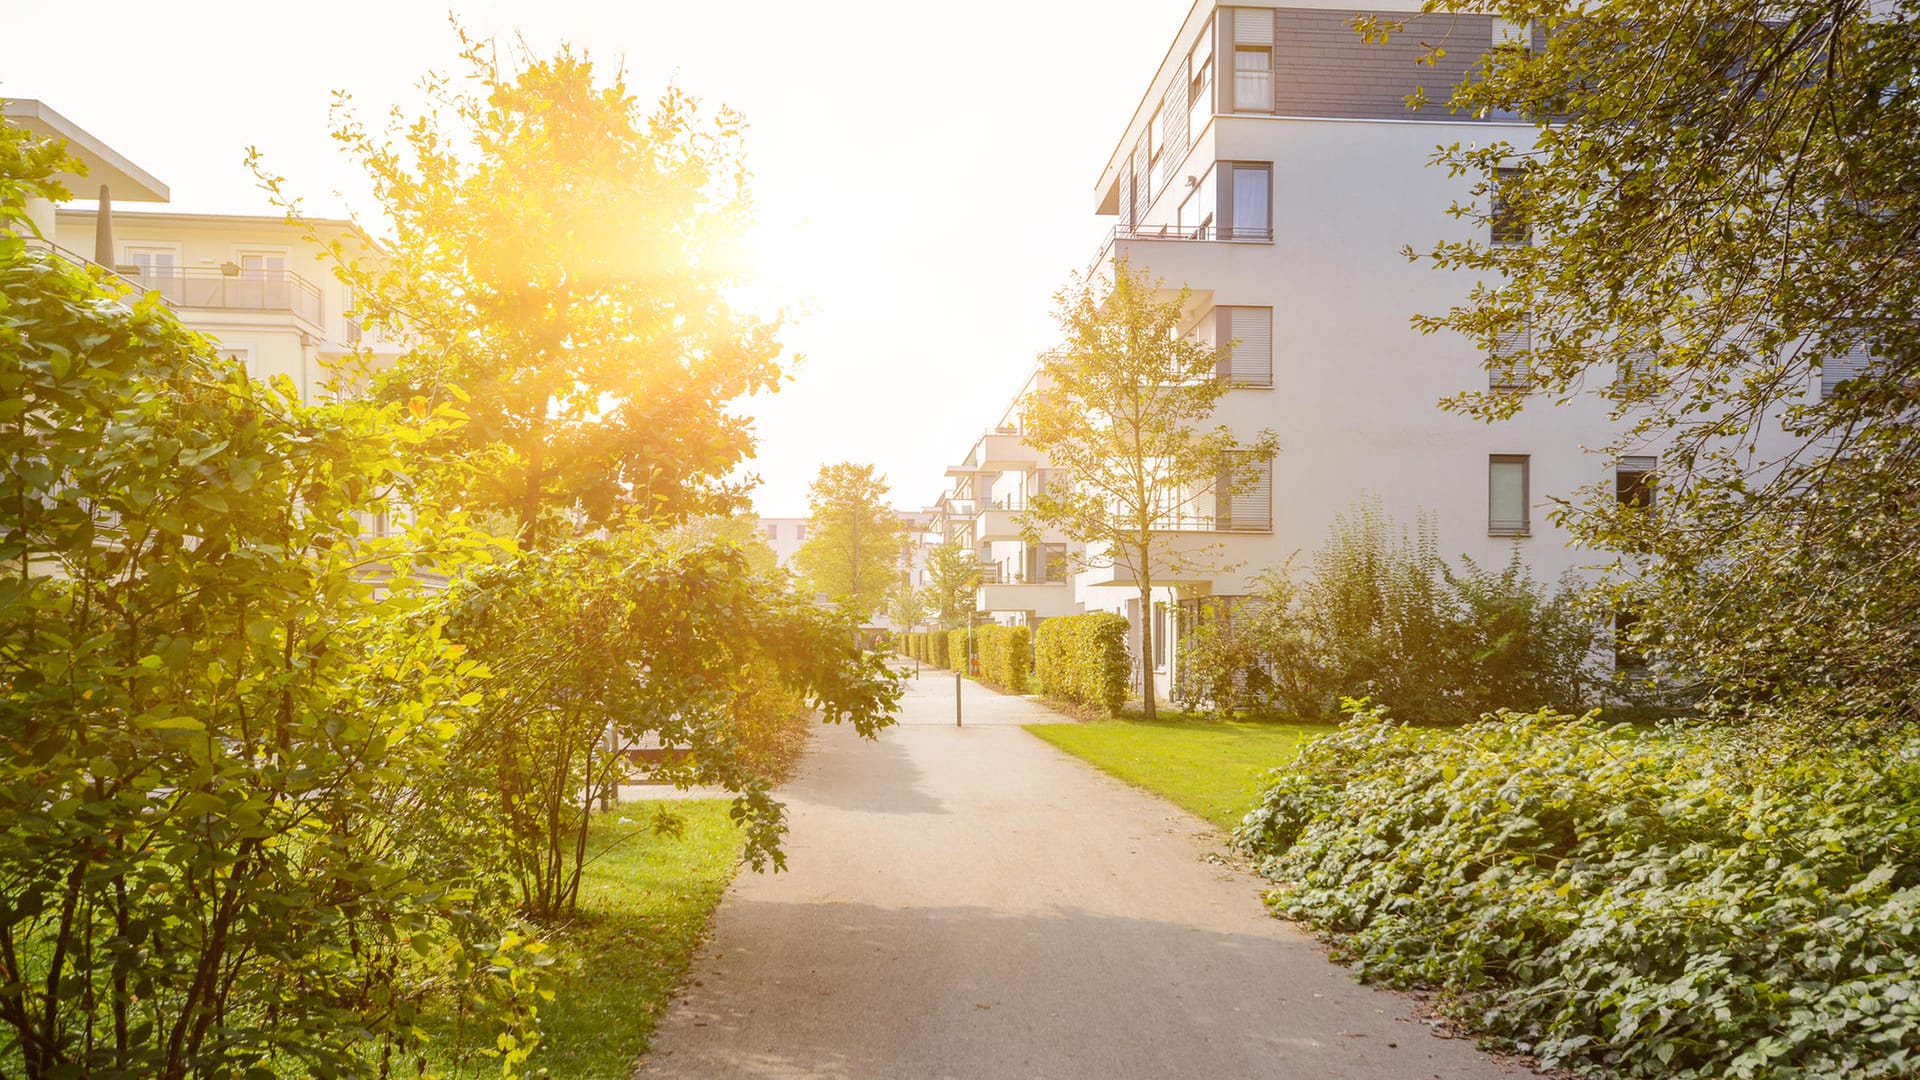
932, 647
1626, 903
1006, 656
1083, 659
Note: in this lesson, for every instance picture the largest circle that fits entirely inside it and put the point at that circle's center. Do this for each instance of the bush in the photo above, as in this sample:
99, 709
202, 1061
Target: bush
958, 644
216, 718
1382, 615
1083, 659
628, 635
1006, 656
1620, 901
937, 651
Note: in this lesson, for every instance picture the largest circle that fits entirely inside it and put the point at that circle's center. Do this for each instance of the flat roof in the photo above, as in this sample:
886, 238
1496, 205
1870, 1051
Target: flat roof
126, 181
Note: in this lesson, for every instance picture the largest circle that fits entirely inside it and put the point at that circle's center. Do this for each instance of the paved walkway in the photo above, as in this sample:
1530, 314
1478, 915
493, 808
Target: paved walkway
973, 903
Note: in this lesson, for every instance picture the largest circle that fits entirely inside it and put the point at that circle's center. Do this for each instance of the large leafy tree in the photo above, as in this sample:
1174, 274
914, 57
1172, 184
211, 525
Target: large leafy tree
854, 539
1720, 216
1123, 408
216, 713
559, 259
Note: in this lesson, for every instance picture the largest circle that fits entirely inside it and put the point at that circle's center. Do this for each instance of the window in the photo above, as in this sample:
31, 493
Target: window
1511, 35
1633, 481
1252, 79
153, 265
1156, 139
1252, 198
1243, 497
799, 532
1510, 368
773, 533
1628, 655
1253, 60
1836, 370
1250, 362
1159, 637
1200, 82
1507, 497
1510, 229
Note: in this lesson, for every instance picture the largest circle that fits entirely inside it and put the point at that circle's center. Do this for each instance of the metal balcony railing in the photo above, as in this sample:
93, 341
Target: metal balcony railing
248, 290
1212, 523
74, 258
1201, 233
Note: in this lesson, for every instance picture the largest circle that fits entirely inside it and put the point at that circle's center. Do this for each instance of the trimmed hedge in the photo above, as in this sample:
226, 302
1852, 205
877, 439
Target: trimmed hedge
957, 649
1083, 659
937, 649
1006, 656
1627, 903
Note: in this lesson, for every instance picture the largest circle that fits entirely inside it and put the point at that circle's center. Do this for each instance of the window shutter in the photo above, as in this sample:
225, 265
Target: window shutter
1839, 369
1253, 507
1510, 369
1253, 26
1252, 362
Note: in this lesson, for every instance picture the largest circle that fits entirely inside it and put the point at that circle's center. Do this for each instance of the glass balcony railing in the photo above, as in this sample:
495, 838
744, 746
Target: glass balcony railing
246, 290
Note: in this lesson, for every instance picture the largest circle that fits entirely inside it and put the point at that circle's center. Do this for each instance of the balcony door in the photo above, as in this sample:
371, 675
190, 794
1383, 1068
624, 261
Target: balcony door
263, 280
155, 268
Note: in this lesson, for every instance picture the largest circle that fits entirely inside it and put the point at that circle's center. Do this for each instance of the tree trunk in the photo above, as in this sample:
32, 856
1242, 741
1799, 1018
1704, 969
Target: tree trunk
1147, 693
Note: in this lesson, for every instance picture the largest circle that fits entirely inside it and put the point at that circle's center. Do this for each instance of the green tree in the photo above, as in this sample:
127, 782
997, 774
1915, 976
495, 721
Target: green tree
559, 265
854, 539
953, 580
906, 605
1121, 410
216, 716
1718, 210
739, 530
597, 642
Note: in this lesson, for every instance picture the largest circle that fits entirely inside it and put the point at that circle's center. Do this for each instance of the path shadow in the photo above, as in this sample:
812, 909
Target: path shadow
844, 991
845, 772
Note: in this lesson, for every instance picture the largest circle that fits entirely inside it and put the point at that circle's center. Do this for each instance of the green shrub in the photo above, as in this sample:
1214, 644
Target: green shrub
937, 649
1083, 659
958, 644
1382, 615
1006, 656
1623, 902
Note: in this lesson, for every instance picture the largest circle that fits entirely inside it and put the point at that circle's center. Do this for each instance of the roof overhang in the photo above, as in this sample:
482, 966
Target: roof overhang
125, 181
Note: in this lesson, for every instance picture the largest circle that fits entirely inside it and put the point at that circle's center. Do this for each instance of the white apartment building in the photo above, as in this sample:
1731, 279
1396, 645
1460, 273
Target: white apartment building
784, 536
1272, 166
256, 285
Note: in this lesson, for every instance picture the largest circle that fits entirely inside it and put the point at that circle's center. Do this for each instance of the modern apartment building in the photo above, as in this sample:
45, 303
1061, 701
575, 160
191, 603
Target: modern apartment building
1274, 168
256, 285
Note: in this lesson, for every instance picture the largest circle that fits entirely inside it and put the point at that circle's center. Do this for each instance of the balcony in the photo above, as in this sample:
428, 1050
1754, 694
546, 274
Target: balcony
1191, 255
251, 290
1043, 600
75, 259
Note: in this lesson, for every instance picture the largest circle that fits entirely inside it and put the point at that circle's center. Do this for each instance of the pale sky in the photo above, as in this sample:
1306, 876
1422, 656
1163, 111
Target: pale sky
924, 173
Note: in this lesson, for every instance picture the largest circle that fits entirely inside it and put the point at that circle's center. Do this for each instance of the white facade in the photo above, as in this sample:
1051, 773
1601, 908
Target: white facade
1284, 197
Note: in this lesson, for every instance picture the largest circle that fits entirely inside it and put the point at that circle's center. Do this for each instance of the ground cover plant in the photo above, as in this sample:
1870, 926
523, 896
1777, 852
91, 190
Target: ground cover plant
1626, 902
1212, 768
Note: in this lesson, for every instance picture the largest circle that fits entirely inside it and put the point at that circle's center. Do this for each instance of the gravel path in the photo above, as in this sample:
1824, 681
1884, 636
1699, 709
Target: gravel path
969, 902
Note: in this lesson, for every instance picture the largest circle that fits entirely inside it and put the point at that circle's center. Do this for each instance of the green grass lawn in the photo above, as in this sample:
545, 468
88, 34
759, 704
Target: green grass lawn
1210, 767
644, 907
